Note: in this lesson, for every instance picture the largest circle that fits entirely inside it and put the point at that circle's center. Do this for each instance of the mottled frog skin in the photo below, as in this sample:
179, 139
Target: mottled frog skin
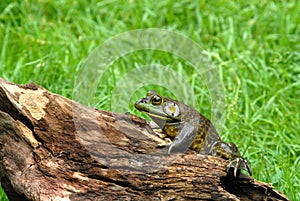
188, 128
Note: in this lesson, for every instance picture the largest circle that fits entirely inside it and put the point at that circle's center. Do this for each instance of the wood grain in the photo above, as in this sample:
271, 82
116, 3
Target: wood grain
52, 148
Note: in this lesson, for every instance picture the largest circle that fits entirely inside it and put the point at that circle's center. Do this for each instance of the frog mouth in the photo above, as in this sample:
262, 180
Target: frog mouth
155, 113
151, 112
157, 116
162, 117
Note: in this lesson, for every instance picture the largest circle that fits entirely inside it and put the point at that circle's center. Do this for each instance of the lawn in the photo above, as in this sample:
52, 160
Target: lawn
253, 46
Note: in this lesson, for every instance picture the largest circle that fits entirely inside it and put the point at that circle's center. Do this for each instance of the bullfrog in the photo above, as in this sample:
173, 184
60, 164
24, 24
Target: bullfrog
187, 128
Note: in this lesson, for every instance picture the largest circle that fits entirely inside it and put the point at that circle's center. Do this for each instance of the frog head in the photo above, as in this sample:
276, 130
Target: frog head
162, 110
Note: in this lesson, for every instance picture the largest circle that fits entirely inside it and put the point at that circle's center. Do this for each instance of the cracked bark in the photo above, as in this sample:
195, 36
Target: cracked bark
52, 148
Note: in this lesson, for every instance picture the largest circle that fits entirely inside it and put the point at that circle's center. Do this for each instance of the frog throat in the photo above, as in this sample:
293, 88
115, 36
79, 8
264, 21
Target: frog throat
169, 113
165, 119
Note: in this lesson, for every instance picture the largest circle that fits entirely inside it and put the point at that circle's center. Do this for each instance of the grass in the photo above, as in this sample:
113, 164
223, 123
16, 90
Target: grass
255, 47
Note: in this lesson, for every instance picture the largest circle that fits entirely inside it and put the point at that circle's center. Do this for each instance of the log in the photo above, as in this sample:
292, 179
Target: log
52, 148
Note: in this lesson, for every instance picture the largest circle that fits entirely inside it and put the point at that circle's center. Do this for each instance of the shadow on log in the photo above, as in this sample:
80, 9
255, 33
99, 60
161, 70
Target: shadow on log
52, 148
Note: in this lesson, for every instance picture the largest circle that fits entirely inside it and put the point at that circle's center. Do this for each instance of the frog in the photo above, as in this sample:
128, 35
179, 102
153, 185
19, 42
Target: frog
189, 129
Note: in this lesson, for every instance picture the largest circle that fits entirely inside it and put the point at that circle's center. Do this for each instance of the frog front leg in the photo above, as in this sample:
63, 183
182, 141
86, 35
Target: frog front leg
183, 140
230, 152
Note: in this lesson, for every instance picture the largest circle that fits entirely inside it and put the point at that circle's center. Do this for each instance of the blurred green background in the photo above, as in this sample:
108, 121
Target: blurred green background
253, 44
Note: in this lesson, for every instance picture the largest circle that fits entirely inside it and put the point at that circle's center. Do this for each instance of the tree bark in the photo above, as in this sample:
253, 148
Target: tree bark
52, 148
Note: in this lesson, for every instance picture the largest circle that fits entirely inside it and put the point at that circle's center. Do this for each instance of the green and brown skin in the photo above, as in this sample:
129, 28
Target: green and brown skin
188, 128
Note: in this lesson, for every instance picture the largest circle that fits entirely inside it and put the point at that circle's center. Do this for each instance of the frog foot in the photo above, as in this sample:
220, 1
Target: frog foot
159, 133
237, 164
167, 142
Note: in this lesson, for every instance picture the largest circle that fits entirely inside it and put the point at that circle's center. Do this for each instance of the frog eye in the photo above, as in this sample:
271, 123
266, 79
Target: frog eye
171, 109
156, 100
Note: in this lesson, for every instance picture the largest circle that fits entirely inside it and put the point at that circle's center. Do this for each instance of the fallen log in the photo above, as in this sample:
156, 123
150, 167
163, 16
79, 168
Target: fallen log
52, 148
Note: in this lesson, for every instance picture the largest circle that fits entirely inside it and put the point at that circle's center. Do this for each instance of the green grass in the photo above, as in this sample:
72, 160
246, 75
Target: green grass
255, 47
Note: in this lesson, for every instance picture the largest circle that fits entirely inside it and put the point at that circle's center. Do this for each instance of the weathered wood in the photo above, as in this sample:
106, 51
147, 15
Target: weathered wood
52, 148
